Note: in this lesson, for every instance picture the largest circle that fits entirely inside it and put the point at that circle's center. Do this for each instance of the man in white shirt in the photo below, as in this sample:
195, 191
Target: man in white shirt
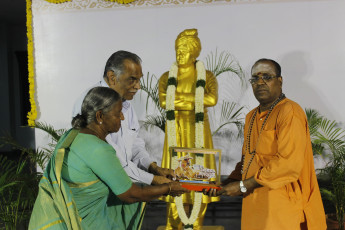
122, 73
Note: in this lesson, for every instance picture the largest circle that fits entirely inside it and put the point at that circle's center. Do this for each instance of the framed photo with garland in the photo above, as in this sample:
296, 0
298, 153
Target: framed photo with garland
190, 166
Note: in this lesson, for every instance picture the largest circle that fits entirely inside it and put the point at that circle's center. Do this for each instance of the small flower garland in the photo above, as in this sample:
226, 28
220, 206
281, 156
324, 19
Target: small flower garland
199, 132
188, 222
170, 105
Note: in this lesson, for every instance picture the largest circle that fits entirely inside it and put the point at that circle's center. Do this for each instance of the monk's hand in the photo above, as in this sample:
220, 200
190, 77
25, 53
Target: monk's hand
176, 189
160, 180
231, 189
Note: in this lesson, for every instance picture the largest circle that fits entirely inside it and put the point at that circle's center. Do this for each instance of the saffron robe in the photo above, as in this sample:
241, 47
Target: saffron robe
284, 166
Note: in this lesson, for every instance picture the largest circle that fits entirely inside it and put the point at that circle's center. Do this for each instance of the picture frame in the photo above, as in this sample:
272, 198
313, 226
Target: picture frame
196, 168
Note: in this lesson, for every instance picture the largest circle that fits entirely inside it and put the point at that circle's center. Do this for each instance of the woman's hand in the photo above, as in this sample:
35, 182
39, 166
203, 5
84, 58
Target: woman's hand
160, 180
148, 193
175, 189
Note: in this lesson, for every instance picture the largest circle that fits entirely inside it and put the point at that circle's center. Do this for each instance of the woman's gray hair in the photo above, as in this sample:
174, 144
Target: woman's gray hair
97, 99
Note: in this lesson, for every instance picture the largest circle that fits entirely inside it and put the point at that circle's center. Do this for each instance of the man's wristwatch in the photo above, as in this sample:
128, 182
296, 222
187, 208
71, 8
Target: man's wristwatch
242, 187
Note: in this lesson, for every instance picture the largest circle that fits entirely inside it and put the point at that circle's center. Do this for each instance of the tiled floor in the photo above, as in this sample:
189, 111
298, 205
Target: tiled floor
226, 213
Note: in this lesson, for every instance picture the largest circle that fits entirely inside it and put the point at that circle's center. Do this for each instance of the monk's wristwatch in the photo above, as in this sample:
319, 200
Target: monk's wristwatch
242, 187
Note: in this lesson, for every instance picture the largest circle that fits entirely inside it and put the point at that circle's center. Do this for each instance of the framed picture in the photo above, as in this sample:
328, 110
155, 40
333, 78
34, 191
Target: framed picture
196, 168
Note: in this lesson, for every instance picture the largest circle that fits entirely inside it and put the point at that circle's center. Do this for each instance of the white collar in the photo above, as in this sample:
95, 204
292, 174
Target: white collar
125, 104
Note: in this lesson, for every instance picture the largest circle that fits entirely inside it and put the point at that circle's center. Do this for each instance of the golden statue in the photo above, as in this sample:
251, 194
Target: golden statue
185, 92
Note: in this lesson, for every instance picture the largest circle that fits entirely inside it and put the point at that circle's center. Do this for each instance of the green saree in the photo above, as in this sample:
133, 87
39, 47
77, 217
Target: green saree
79, 187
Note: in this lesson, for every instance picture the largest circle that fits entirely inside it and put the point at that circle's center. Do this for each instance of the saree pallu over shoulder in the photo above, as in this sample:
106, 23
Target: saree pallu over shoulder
55, 207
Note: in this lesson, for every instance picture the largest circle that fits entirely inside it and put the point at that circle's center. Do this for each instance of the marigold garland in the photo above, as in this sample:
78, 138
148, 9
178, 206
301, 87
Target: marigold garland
32, 114
58, 1
118, 1
199, 132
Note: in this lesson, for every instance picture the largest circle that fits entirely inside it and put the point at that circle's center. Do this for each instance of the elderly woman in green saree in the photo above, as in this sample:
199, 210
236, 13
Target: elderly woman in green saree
84, 185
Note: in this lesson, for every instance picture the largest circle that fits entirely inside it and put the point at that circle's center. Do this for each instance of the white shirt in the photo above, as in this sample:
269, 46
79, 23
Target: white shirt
130, 149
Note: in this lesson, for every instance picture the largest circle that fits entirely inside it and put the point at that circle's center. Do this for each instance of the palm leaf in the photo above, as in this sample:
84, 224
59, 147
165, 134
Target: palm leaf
328, 195
224, 62
5, 164
155, 121
324, 134
230, 114
318, 148
330, 130
150, 86
55, 134
38, 156
330, 135
219, 63
18, 189
332, 139
7, 172
314, 121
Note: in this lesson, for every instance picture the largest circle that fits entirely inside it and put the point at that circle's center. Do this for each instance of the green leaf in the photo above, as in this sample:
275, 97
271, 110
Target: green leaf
155, 121
328, 195
150, 86
222, 63
231, 113
49, 129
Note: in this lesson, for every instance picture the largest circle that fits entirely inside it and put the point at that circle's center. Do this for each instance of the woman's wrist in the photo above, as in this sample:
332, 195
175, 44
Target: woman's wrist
169, 188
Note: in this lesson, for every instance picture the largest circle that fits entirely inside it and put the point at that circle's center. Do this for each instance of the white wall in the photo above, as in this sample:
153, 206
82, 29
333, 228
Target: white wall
306, 37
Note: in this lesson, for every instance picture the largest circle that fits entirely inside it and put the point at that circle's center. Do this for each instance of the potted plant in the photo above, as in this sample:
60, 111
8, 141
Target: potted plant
329, 139
19, 181
17, 192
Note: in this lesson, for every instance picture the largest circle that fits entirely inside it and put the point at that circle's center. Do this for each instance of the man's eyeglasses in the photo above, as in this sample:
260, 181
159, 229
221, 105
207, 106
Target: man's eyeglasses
266, 78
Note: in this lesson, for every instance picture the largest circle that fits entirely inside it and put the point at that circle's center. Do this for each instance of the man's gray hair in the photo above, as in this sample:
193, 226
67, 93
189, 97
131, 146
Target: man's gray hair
115, 62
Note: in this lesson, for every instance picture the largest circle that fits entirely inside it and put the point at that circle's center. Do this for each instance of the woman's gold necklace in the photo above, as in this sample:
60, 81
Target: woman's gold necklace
252, 153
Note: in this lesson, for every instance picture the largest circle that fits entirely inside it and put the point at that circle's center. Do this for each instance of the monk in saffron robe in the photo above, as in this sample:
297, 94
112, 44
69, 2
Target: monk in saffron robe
276, 174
